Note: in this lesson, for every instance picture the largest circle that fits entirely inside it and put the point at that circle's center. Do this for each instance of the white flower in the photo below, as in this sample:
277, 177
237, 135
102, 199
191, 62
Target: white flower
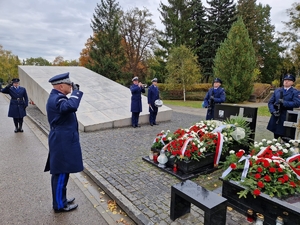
273, 148
287, 145
206, 132
186, 130
260, 144
277, 144
256, 145
225, 134
169, 139
198, 145
225, 138
162, 131
280, 147
254, 157
202, 149
231, 152
264, 140
211, 128
285, 150
269, 142
230, 139
168, 131
274, 140
201, 143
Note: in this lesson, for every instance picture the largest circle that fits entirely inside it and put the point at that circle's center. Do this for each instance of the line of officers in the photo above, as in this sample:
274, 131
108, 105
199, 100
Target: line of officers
283, 99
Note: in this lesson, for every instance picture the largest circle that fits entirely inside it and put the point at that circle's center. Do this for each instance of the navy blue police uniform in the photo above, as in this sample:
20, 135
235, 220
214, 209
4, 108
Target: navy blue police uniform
65, 154
219, 97
136, 102
291, 100
153, 95
18, 103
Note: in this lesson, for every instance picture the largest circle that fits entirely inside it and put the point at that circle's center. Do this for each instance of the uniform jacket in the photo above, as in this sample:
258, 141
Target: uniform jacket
153, 95
219, 97
291, 100
136, 98
18, 101
64, 148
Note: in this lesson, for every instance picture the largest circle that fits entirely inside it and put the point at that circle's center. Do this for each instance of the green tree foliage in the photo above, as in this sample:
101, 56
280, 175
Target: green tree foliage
221, 15
139, 34
36, 62
8, 65
182, 67
235, 63
106, 53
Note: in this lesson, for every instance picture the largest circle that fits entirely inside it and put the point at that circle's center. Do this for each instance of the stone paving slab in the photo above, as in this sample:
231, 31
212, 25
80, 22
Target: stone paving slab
113, 159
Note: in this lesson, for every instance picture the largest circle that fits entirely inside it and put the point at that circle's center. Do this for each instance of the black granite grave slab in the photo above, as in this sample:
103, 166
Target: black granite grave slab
291, 118
271, 208
181, 175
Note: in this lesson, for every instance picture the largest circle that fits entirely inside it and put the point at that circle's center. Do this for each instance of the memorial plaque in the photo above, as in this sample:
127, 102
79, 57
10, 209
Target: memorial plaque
223, 112
292, 125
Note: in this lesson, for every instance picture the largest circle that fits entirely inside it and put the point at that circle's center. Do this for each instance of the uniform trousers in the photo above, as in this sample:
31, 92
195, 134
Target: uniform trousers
59, 190
135, 118
18, 122
152, 117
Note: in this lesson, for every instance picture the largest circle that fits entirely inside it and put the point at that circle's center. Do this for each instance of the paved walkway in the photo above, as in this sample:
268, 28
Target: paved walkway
113, 159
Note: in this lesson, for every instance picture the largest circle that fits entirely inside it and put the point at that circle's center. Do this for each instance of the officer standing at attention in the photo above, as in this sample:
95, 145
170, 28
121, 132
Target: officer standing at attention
18, 102
216, 94
65, 155
153, 95
136, 101
284, 99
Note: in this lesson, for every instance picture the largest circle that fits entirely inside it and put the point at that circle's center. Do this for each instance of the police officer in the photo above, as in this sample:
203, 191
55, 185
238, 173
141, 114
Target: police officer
18, 103
284, 99
136, 101
153, 95
65, 155
216, 94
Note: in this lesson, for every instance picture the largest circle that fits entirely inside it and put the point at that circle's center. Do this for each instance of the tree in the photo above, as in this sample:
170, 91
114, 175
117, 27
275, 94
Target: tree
182, 68
106, 53
8, 65
36, 62
221, 15
235, 63
139, 35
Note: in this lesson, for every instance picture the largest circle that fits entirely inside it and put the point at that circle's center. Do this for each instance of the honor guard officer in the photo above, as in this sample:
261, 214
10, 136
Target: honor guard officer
153, 95
18, 103
65, 155
136, 101
215, 95
284, 99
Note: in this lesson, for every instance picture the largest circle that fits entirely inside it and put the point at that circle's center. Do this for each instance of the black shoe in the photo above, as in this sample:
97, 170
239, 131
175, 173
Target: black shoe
151, 124
138, 125
69, 201
20, 130
155, 123
16, 130
133, 126
66, 209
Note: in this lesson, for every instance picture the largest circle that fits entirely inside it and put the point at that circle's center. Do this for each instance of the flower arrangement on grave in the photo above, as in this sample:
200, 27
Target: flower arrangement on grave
269, 168
203, 137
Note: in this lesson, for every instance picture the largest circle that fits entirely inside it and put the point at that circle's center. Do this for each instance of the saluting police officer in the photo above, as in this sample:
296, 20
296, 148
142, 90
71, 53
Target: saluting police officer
215, 95
137, 88
65, 155
284, 99
18, 103
153, 95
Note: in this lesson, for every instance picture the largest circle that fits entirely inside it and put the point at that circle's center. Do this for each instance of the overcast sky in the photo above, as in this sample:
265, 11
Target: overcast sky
51, 28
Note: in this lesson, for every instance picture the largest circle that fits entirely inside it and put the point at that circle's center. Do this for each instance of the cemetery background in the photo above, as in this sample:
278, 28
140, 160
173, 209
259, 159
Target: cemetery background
113, 158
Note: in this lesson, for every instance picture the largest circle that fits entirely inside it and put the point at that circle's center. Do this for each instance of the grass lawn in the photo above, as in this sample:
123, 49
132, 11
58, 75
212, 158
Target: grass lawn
262, 110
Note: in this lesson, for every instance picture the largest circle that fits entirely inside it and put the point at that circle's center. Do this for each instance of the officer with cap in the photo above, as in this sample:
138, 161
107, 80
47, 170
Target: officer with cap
65, 155
283, 99
215, 95
136, 101
18, 103
153, 95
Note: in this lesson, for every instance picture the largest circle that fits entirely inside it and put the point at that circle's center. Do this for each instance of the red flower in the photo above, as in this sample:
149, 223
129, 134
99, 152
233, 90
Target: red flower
292, 183
280, 170
256, 192
260, 184
240, 153
272, 170
266, 163
257, 176
267, 178
285, 177
233, 166
259, 169
281, 180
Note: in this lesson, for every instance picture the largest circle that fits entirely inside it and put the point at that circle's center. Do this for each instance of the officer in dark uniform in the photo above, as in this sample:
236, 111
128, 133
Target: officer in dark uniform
153, 95
284, 99
18, 103
65, 155
136, 101
215, 95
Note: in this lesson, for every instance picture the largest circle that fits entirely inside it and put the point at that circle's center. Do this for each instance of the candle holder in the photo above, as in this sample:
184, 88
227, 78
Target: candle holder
155, 156
162, 159
250, 217
260, 219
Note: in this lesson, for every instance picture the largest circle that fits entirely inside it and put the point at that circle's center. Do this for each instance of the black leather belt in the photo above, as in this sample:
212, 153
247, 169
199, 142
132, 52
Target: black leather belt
17, 99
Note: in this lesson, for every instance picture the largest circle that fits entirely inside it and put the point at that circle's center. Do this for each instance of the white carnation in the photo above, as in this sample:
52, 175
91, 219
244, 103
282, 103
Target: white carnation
285, 150
260, 144
169, 139
287, 145
254, 157
273, 148
264, 140
231, 152
269, 142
